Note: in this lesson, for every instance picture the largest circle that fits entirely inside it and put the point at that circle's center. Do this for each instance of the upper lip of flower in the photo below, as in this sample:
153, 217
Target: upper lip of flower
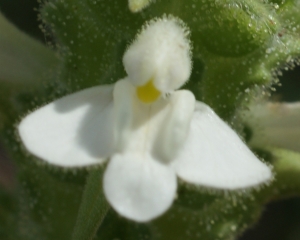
148, 144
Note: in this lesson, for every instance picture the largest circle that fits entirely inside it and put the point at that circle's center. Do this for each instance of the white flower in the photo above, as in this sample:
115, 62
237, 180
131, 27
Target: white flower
149, 131
274, 124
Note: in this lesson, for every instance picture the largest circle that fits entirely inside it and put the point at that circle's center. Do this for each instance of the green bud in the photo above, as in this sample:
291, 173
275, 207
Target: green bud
138, 5
235, 28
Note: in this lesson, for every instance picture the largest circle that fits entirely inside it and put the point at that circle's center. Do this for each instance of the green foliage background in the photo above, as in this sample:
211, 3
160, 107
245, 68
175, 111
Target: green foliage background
239, 46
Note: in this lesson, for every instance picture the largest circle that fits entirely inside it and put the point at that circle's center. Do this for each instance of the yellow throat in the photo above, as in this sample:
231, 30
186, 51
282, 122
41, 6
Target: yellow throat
148, 93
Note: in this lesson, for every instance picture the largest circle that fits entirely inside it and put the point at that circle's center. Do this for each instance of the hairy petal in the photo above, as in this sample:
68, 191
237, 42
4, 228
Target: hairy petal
214, 156
160, 52
73, 131
176, 125
138, 187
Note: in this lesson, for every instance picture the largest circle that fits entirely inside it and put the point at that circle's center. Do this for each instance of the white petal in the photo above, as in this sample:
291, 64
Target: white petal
175, 127
139, 187
123, 113
161, 52
75, 130
159, 128
276, 124
214, 156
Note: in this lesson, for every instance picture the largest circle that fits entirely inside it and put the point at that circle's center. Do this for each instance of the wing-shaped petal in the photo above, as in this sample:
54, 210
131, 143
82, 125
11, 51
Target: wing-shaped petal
138, 187
73, 131
214, 156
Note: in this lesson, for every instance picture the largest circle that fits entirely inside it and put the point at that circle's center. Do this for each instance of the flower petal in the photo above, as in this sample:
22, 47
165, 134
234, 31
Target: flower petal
138, 187
175, 127
73, 131
162, 52
214, 156
275, 124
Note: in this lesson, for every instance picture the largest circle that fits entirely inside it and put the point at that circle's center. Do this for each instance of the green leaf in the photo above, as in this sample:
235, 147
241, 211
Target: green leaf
47, 205
23, 60
117, 227
229, 82
222, 216
93, 207
7, 218
232, 28
287, 168
28, 71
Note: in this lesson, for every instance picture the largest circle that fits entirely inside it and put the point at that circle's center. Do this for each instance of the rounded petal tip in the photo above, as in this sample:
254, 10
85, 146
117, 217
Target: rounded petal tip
160, 52
138, 187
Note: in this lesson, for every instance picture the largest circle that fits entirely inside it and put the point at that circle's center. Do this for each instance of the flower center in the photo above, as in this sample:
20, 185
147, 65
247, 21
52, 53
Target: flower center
148, 93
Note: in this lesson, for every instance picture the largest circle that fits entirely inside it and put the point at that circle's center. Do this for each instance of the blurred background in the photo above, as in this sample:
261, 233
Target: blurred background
280, 220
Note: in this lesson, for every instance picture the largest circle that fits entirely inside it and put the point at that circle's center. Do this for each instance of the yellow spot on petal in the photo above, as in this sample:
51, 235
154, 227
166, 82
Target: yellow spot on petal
148, 93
